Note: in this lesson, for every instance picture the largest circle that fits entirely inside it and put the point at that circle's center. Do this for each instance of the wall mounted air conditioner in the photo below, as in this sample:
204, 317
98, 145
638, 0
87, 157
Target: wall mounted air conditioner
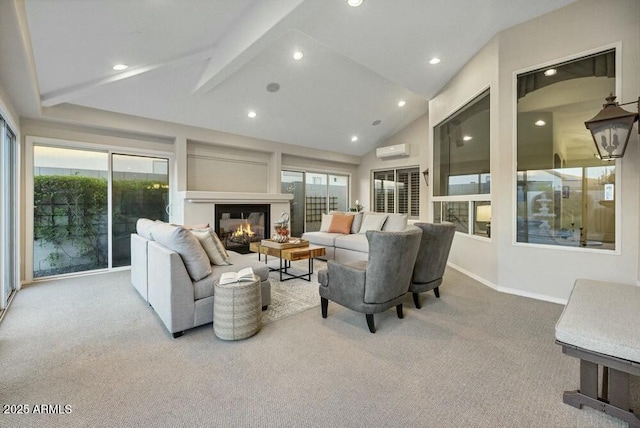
392, 151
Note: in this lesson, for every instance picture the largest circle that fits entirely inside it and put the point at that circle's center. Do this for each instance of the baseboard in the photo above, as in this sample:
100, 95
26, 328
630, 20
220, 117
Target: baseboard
509, 290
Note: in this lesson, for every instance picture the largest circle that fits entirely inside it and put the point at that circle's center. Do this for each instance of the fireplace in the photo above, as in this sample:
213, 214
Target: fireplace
240, 224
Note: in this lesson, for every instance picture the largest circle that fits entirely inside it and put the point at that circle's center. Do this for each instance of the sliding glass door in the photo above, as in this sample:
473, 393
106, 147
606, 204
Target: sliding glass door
140, 188
314, 194
86, 204
8, 214
70, 210
293, 182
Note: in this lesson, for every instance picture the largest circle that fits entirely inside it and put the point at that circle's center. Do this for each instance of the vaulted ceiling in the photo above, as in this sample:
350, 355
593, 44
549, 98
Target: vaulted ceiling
208, 63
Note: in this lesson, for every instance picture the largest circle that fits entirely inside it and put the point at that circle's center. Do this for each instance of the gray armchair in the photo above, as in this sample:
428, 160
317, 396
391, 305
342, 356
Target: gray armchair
432, 258
375, 285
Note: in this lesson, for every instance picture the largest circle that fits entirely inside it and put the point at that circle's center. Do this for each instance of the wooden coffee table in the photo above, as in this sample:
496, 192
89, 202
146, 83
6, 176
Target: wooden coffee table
288, 253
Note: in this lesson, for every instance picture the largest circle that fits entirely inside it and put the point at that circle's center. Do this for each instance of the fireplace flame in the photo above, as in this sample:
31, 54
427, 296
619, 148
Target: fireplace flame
243, 230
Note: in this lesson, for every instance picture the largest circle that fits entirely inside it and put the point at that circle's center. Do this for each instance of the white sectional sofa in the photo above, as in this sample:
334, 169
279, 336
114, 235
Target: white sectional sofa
353, 246
171, 273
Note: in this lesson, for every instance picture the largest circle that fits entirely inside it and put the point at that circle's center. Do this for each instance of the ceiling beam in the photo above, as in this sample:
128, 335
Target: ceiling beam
260, 26
69, 93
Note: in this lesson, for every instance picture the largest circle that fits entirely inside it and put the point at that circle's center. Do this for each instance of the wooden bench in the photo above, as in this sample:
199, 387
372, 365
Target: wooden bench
600, 325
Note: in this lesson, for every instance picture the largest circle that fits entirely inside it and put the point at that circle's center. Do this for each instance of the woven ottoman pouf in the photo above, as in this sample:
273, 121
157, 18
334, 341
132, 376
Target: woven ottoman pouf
237, 310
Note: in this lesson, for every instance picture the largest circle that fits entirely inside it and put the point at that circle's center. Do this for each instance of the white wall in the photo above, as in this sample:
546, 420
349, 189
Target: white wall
544, 271
77, 124
474, 256
8, 112
416, 136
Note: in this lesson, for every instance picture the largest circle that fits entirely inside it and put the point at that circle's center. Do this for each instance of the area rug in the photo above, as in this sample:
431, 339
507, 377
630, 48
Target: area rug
292, 296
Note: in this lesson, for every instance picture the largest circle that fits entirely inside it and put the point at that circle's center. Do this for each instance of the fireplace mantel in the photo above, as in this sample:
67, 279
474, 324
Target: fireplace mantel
198, 207
196, 197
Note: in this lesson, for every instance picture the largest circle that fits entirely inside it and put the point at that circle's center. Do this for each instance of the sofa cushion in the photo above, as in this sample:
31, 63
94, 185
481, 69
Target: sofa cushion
143, 227
354, 242
357, 219
204, 288
325, 239
212, 246
183, 242
395, 223
357, 222
326, 222
372, 221
341, 223
239, 261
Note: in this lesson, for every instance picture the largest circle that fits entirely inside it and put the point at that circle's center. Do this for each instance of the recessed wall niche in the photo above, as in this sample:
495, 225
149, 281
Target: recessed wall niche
218, 168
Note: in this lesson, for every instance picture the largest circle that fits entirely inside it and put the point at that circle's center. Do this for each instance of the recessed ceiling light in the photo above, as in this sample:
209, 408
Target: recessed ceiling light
251, 114
550, 72
434, 60
467, 138
120, 67
297, 55
540, 123
354, 3
402, 103
354, 138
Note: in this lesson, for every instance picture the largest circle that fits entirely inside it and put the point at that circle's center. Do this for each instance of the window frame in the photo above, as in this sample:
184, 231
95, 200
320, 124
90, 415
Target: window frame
471, 199
30, 142
396, 202
618, 164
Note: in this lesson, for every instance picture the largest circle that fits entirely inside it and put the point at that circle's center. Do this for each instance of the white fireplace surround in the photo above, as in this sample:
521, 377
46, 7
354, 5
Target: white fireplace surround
198, 207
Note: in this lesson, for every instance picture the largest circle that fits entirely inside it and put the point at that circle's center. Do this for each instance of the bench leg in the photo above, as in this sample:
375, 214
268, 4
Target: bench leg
589, 378
617, 391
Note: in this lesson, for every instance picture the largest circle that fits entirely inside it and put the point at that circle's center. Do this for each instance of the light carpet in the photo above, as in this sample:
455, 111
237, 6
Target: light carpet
475, 357
292, 296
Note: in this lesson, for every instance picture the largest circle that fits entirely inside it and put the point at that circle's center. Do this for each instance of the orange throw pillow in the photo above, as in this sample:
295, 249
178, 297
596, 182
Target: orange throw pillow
341, 223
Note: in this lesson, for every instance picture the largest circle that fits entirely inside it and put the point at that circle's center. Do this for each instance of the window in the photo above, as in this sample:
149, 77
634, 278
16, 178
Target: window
565, 194
462, 176
461, 151
397, 191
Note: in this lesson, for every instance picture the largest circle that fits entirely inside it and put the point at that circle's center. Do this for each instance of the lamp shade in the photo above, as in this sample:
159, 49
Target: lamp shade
483, 213
611, 129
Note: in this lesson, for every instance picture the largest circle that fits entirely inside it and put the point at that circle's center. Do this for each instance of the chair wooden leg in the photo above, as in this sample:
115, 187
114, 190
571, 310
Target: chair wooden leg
324, 303
370, 323
437, 292
416, 300
399, 311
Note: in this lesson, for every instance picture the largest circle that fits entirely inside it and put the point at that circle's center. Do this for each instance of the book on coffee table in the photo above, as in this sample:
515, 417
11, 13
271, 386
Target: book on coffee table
243, 275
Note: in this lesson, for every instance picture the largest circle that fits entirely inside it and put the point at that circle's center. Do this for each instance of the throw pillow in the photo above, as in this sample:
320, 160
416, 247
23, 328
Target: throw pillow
372, 221
183, 242
326, 222
212, 246
341, 223
196, 226
395, 223
357, 222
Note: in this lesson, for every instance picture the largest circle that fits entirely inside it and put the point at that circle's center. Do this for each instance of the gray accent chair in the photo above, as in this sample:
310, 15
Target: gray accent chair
431, 262
375, 285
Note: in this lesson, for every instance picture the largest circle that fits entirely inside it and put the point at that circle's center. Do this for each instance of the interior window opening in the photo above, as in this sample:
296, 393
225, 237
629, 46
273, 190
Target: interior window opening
565, 193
